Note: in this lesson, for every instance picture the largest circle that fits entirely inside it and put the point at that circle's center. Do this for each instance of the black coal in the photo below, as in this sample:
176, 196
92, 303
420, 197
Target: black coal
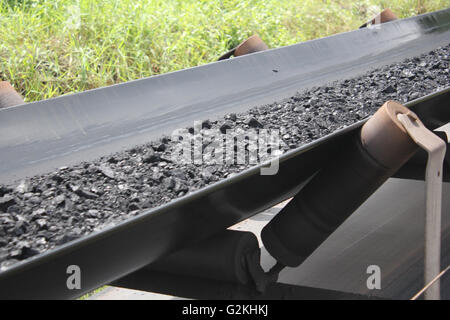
44, 211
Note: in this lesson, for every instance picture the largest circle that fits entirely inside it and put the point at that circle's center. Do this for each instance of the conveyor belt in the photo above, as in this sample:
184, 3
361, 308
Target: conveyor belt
43, 135
40, 136
115, 252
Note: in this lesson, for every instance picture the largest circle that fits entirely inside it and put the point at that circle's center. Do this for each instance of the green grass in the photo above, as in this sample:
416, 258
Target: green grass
90, 294
45, 52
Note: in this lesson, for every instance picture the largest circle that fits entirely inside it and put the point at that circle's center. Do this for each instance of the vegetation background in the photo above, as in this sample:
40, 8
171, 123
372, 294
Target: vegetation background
54, 47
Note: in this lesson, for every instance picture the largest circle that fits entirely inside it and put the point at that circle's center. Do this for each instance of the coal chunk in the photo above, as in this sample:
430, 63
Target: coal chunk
112, 160
226, 126
66, 238
232, 117
253, 123
151, 156
42, 223
59, 200
24, 251
206, 124
57, 178
6, 201
107, 171
5, 190
133, 206
389, 89
13, 209
161, 147
169, 183
93, 213
28, 252
86, 194
20, 228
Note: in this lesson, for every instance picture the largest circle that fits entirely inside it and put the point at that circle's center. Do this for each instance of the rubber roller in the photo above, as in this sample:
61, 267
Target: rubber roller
222, 257
251, 45
384, 16
8, 96
379, 149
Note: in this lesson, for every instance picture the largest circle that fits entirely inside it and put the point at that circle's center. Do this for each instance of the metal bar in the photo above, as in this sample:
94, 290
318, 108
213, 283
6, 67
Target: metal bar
446, 129
436, 152
438, 277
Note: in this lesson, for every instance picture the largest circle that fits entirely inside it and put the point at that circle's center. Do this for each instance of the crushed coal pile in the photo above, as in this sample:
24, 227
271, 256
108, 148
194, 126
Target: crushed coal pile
48, 210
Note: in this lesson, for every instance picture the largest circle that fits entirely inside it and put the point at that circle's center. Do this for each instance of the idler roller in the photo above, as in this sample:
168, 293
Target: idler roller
251, 45
379, 149
222, 257
384, 16
8, 96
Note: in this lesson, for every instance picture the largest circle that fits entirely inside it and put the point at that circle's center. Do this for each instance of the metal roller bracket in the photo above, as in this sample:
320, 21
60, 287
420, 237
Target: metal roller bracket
435, 147
446, 129
261, 278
